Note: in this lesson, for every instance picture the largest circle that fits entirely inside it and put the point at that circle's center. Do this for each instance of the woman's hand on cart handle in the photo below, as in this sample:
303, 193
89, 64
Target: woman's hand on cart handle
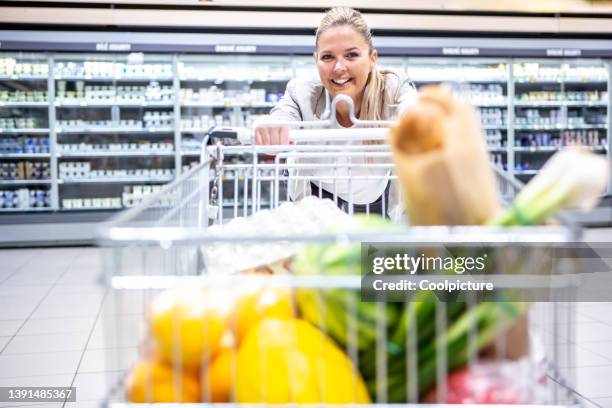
272, 136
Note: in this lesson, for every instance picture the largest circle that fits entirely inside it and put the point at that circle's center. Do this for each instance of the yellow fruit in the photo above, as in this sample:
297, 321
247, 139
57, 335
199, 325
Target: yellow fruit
153, 381
220, 374
187, 325
286, 361
252, 305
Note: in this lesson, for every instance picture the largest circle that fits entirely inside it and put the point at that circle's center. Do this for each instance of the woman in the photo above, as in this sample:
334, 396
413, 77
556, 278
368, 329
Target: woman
346, 62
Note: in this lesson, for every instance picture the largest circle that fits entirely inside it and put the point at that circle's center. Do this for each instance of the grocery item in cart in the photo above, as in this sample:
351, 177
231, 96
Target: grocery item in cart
442, 162
282, 361
310, 215
153, 381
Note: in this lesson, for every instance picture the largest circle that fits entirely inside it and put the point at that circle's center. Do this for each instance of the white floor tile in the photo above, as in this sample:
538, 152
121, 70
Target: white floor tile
77, 288
4, 341
117, 334
47, 343
84, 404
604, 402
24, 365
68, 305
603, 348
59, 380
596, 311
102, 360
36, 291
9, 327
587, 358
34, 278
92, 386
58, 325
594, 382
594, 331
10, 311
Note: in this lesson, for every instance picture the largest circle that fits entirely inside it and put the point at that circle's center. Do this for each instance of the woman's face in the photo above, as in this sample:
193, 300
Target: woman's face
344, 62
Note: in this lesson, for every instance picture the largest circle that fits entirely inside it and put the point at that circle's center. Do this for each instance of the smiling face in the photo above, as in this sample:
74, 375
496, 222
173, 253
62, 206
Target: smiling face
344, 62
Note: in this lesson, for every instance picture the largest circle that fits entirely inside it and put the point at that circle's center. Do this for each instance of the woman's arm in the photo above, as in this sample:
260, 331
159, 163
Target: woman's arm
286, 110
407, 96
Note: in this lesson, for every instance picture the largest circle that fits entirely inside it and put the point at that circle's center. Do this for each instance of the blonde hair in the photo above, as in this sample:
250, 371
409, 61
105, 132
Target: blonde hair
372, 103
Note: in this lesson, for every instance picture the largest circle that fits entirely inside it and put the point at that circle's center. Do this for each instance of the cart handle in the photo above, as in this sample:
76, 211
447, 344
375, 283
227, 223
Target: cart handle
309, 131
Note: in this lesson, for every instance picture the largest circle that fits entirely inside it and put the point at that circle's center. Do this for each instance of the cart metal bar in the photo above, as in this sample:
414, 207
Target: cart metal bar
464, 235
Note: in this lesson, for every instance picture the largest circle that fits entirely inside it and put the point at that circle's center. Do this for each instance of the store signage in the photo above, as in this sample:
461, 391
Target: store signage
105, 46
563, 52
460, 51
235, 48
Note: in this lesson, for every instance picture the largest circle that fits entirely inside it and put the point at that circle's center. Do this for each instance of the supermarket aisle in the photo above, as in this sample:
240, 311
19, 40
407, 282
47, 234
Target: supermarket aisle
51, 328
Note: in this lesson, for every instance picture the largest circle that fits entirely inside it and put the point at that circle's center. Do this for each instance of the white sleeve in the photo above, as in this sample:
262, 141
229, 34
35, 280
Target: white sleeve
408, 96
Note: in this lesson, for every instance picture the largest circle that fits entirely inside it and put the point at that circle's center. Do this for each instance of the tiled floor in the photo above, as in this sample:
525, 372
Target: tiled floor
51, 329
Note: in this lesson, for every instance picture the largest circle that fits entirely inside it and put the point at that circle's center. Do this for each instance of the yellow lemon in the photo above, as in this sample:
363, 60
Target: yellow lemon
252, 305
220, 374
187, 325
153, 381
284, 361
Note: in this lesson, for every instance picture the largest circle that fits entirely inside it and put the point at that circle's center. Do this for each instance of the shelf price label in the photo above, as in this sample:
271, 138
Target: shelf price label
460, 51
106, 46
563, 52
235, 48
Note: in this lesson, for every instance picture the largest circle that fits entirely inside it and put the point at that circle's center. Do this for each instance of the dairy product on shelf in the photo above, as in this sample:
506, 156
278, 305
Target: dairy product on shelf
20, 123
91, 203
153, 93
109, 69
11, 66
25, 170
23, 96
567, 96
116, 147
82, 170
24, 145
451, 74
221, 72
133, 195
24, 198
533, 71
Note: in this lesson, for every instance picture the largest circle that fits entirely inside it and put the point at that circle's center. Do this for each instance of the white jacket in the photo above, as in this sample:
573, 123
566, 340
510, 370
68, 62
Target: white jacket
308, 100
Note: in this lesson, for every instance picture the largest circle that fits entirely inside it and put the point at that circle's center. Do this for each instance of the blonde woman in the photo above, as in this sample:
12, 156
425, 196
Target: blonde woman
346, 63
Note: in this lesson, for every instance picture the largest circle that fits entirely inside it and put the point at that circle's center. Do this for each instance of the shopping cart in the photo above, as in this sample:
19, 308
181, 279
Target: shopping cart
217, 222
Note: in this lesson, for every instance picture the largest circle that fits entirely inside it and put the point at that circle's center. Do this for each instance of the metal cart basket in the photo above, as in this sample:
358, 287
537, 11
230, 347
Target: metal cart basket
228, 225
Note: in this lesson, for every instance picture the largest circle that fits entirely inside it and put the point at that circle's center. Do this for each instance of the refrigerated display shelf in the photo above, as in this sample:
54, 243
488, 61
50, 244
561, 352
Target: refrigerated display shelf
115, 130
110, 104
22, 78
537, 149
559, 127
116, 180
526, 172
536, 81
37, 131
28, 209
194, 130
579, 104
228, 105
494, 127
489, 104
112, 79
25, 155
23, 182
64, 209
221, 80
23, 104
114, 154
